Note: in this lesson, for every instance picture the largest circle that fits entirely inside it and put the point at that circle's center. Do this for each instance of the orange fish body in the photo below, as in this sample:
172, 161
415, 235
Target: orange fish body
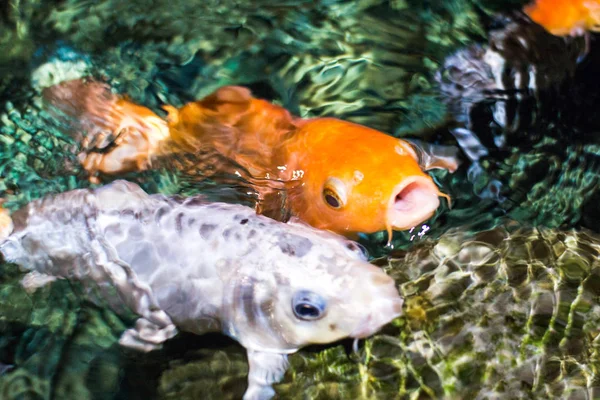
354, 179
350, 178
566, 17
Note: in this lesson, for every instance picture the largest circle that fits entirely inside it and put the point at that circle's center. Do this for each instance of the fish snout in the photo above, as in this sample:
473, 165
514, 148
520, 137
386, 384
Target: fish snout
413, 201
385, 306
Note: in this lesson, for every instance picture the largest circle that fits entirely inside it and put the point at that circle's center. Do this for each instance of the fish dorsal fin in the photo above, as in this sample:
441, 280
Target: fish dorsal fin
231, 100
237, 106
236, 125
228, 94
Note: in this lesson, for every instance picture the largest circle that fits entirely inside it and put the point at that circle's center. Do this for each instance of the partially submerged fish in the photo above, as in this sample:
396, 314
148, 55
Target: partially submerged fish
351, 178
184, 264
566, 17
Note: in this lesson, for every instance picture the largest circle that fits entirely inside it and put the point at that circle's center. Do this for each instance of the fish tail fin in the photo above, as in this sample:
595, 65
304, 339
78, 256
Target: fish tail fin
115, 134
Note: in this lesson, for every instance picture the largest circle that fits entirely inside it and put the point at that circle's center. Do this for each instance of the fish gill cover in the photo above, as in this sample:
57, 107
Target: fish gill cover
495, 307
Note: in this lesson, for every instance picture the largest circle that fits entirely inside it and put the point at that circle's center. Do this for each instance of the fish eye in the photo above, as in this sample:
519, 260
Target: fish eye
308, 306
360, 249
334, 193
332, 199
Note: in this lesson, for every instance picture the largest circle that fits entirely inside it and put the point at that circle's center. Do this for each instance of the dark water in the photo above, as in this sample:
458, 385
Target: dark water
502, 290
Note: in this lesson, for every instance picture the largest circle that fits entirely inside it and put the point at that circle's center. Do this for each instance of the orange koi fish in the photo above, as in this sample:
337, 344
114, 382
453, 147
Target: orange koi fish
350, 178
566, 17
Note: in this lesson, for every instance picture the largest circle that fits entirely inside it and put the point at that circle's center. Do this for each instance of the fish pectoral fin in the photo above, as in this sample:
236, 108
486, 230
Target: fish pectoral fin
265, 370
432, 156
35, 280
272, 203
147, 336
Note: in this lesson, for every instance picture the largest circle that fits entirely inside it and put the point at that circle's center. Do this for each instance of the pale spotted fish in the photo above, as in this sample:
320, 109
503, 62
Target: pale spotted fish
190, 265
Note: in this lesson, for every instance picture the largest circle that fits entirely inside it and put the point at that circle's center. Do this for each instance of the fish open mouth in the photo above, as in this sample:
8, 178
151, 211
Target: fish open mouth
413, 202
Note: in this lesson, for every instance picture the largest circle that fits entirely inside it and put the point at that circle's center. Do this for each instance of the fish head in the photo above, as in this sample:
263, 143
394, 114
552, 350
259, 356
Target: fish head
365, 181
320, 297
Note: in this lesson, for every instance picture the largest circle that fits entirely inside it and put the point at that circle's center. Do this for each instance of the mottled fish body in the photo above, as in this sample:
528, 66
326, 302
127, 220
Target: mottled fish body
186, 264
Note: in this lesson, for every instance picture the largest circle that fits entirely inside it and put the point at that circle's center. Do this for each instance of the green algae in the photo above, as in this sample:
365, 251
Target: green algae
29, 166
